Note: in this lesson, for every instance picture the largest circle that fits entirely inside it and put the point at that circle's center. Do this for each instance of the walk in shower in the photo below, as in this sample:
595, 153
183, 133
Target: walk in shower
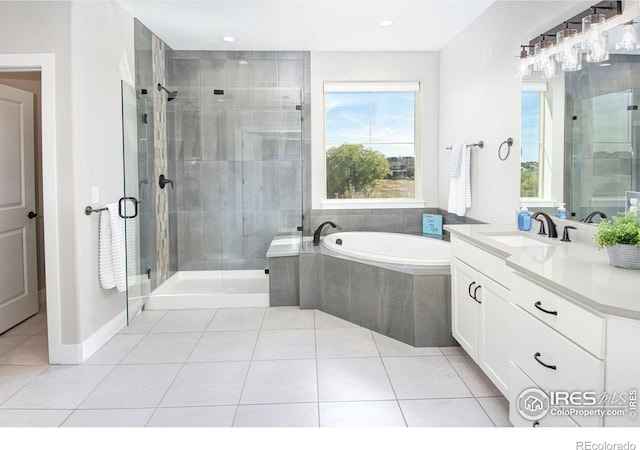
237, 183
231, 142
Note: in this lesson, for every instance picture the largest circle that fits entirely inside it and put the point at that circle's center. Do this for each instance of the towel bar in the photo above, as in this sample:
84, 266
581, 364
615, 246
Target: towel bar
88, 210
479, 144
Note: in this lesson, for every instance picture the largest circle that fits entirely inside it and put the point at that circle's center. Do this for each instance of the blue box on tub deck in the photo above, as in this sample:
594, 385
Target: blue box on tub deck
432, 224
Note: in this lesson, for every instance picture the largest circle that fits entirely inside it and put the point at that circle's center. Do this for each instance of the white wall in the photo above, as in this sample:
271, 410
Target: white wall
102, 54
347, 66
480, 99
44, 27
93, 47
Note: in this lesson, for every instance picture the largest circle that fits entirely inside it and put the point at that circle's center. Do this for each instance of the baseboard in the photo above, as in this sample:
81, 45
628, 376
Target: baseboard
94, 342
42, 297
79, 353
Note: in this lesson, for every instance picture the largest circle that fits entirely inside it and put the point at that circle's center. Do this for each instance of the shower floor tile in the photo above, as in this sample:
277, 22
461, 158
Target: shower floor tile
244, 367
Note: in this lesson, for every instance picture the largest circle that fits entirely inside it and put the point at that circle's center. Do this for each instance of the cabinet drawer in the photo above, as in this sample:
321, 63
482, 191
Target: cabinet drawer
568, 367
490, 265
519, 382
585, 328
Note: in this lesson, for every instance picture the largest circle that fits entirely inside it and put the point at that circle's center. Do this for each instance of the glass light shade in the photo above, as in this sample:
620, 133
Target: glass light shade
627, 39
565, 40
595, 40
543, 60
524, 68
550, 69
569, 53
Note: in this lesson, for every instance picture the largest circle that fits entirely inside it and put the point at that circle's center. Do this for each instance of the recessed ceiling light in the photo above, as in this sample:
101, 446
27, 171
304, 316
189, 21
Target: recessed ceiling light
229, 39
386, 23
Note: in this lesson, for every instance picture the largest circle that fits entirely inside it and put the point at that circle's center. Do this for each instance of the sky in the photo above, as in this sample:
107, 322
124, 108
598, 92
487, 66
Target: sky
530, 136
389, 128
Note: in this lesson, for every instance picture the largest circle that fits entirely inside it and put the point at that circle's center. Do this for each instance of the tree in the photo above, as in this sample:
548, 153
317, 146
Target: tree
352, 169
529, 183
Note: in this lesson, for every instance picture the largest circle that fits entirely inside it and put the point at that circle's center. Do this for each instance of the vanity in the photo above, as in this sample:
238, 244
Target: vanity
538, 313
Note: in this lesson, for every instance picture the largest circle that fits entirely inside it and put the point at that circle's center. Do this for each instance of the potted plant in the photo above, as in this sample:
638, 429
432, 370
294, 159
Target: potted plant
621, 237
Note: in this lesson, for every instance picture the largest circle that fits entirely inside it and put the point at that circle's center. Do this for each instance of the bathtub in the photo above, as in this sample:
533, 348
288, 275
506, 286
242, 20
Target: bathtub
391, 248
398, 285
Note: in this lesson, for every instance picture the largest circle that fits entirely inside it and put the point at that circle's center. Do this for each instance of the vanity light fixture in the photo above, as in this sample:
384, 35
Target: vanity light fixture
543, 60
570, 43
627, 39
569, 52
229, 39
595, 39
386, 23
524, 64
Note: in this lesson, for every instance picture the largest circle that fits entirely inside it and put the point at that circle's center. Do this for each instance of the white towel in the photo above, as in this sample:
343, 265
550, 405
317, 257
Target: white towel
456, 157
112, 250
460, 186
105, 258
118, 248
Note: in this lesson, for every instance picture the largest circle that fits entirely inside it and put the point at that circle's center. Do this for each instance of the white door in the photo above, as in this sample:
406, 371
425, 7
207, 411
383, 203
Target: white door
18, 278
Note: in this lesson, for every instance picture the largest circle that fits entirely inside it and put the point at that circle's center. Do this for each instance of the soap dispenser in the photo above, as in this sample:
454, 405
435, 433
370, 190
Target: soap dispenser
561, 213
524, 219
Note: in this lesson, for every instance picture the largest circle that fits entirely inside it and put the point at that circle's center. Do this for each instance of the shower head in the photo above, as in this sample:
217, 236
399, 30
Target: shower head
171, 95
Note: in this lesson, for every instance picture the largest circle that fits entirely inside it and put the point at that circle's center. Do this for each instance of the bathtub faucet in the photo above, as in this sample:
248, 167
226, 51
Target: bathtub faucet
316, 235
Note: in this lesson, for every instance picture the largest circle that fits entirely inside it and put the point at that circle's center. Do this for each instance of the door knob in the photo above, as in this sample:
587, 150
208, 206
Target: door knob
32, 215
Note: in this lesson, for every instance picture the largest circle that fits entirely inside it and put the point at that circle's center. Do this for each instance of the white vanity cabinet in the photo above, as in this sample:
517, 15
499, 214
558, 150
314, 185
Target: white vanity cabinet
479, 309
554, 317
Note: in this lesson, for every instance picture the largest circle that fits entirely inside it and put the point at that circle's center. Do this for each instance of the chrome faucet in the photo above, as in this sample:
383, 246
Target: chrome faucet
589, 218
316, 235
550, 224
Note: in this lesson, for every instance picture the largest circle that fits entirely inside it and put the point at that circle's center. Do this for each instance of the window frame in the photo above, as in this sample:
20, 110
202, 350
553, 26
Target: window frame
375, 203
542, 199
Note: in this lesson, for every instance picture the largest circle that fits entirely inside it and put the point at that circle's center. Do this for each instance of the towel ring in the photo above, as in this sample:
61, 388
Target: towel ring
509, 143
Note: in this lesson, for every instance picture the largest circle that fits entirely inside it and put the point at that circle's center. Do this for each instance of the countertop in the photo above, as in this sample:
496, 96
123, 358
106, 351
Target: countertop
577, 270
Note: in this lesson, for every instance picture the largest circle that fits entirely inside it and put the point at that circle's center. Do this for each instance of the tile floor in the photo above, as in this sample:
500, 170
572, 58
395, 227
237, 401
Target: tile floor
244, 367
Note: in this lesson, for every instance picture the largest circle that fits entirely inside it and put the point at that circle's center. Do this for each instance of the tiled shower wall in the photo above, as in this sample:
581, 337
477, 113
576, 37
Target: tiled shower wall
237, 155
158, 236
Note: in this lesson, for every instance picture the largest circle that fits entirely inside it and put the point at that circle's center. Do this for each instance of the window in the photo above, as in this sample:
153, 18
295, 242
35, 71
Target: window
369, 140
533, 139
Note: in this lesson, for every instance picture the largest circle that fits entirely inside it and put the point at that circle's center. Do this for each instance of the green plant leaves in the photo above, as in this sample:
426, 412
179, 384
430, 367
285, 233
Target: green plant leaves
624, 228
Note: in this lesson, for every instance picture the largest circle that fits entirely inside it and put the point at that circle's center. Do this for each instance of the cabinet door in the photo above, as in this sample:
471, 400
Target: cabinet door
494, 342
464, 308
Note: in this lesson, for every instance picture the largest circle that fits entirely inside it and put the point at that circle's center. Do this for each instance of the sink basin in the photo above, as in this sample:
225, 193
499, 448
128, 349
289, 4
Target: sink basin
517, 240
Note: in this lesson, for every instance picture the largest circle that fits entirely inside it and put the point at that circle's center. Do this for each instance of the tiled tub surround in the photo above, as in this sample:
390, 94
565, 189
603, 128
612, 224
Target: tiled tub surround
284, 270
412, 305
396, 220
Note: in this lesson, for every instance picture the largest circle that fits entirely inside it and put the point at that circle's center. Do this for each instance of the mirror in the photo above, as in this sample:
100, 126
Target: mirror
581, 133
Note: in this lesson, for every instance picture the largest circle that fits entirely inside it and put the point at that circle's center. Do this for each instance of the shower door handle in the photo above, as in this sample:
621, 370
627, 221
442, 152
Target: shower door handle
122, 207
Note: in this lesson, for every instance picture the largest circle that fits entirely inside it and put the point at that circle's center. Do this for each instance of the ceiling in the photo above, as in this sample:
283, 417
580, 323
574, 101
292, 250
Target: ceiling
315, 25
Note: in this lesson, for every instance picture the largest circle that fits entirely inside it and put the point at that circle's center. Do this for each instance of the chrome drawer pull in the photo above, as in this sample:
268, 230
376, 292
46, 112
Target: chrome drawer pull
548, 366
539, 306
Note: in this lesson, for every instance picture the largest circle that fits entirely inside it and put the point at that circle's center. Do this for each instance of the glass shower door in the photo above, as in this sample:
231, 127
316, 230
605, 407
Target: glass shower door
603, 159
137, 281
263, 140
